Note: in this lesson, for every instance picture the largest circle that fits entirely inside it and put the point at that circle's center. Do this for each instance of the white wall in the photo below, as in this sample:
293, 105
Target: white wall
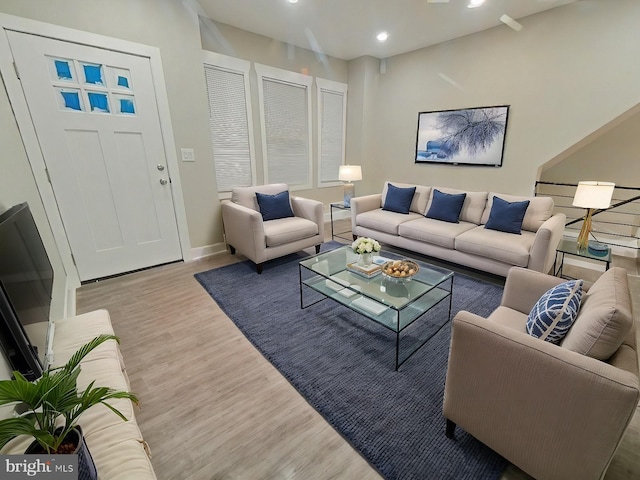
567, 73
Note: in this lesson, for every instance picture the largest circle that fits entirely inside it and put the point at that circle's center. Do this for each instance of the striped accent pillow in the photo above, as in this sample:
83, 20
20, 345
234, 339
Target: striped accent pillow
552, 316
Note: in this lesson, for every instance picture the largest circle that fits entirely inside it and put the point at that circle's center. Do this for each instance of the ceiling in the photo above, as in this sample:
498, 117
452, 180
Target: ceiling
347, 29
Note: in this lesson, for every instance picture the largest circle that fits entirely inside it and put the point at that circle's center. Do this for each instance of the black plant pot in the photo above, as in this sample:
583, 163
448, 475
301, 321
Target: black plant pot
86, 467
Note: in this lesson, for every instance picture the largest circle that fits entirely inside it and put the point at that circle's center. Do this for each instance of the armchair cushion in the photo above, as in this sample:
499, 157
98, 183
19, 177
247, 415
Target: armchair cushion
552, 316
605, 317
275, 206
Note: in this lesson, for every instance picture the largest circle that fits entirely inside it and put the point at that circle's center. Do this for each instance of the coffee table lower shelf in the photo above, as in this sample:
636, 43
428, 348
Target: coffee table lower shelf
394, 319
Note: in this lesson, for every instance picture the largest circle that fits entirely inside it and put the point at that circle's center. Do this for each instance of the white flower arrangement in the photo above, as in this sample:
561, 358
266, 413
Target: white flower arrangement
365, 245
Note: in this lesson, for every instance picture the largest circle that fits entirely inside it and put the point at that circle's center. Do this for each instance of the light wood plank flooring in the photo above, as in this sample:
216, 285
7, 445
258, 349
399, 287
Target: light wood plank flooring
212, 406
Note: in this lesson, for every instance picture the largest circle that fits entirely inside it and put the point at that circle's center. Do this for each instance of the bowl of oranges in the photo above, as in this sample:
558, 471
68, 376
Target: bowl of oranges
400, 270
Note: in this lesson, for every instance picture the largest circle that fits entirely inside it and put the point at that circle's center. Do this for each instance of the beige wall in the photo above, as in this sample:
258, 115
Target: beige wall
567, 73
613, 156
228, 40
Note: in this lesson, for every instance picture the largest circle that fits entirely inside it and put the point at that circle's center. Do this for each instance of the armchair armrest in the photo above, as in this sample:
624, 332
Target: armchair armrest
311, 210
552, 412
244, 230
548, 236
364, 204
524, 287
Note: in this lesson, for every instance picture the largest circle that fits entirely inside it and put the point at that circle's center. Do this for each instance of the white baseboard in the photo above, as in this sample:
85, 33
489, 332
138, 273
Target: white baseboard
208, 250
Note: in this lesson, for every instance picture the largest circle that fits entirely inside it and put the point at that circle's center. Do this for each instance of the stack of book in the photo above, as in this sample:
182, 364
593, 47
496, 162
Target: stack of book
367, 272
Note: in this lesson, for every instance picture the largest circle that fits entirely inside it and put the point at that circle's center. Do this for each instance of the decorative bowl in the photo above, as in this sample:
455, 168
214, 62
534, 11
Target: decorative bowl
400, 270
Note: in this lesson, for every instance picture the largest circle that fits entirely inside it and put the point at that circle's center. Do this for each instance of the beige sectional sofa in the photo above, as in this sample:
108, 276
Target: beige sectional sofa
117, 447
467, 242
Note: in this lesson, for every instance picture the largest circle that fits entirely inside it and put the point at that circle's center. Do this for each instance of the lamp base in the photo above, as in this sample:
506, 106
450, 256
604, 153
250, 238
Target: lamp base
348, 194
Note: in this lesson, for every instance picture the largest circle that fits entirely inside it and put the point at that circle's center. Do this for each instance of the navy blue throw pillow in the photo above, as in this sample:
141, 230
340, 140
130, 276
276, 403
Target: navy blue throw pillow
274, 206
446, 206
398, 199
507, 216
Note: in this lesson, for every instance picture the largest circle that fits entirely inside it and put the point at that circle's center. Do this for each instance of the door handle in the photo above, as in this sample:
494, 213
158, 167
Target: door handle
163, 181
160, 167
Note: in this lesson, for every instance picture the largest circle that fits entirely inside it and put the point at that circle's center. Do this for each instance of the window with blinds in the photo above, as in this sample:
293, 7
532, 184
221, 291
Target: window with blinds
285, 105
332, 115
229, 121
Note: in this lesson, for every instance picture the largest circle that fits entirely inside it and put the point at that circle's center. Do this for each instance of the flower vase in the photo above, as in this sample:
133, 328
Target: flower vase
365, 259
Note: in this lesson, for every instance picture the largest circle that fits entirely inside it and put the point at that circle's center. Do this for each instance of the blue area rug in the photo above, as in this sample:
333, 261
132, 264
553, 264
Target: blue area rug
343, 365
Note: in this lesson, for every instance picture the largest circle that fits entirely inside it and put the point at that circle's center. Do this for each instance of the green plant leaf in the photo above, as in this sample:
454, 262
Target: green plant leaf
11, 428
77, 357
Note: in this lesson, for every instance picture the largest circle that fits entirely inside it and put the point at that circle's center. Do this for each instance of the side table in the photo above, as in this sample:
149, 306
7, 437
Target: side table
569, 246
339, 206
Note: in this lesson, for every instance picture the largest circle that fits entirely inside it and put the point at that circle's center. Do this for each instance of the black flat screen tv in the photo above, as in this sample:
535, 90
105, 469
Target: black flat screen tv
26, 286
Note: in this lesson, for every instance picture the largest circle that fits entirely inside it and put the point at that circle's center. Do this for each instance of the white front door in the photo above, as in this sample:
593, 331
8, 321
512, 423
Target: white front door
97, 123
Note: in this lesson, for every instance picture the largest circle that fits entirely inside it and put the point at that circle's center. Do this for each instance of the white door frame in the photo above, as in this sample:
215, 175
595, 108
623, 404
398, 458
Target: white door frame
30, 140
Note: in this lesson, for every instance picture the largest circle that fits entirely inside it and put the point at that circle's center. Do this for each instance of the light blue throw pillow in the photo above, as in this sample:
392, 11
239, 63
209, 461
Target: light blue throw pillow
276, 206
446, 206
398, 199
552, 316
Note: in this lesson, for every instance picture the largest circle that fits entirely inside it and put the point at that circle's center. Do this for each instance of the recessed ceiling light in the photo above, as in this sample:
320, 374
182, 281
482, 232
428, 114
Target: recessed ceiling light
382, 36
293, 1
475, 3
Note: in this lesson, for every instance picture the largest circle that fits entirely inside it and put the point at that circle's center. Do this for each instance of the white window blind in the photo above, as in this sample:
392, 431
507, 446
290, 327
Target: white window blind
229, 123
332, 108
285, 107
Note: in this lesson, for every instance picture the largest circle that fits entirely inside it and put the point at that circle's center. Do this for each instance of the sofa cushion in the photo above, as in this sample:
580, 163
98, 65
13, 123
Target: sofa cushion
446, 206
605, 317
507, 216
286, 230
434, 231
420, 197
539, 210
398, 199
383, 221
275, 206
552, 316
500, 246
472, 207
246, 196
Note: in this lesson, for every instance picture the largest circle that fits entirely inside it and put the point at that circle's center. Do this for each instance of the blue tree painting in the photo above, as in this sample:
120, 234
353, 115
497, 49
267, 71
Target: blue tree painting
468, 136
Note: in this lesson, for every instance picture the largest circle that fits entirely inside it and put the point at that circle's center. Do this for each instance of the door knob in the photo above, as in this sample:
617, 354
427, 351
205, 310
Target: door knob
163, 181
160, 167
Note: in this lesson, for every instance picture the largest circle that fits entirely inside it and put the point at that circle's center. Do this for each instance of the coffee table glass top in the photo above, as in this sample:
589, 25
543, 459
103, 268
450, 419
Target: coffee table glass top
381, 299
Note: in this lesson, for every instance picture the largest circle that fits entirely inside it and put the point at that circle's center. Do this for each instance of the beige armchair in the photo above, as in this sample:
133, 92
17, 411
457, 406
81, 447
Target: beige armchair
259, 240
554, 411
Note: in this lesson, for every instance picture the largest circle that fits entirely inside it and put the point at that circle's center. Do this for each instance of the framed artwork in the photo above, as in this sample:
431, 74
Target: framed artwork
470, 136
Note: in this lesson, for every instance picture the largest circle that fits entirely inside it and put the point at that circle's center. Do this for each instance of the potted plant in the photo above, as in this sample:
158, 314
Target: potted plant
49, 408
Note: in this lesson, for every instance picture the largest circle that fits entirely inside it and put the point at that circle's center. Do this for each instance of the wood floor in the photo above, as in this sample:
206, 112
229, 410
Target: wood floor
213, 407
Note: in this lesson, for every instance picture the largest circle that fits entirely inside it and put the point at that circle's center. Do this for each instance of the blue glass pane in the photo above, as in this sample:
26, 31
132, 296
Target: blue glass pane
63, 70
93, 74
123, 81
126, 106
71, 100
98, 101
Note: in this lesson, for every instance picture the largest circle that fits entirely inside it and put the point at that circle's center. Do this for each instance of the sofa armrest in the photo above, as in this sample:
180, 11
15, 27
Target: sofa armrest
524, 287
537, 404
311, 210
244, 230
363, 204
543, 250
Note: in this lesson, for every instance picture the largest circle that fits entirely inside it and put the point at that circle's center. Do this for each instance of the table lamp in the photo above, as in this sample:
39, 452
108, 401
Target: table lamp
348, 174
591, 195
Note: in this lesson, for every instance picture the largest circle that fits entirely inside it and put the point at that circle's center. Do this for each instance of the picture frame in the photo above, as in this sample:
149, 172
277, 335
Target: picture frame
467, 136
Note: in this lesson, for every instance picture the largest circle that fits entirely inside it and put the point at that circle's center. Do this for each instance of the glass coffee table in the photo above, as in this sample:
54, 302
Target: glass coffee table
396, 305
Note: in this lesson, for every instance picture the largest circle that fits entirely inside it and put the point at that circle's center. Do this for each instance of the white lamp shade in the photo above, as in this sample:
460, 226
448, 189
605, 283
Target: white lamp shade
593, 194
349, 173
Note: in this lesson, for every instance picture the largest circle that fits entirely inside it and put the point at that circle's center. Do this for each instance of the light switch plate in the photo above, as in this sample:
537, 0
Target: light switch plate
188, 155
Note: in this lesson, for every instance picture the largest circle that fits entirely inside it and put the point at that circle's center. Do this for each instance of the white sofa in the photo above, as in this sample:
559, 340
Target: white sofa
117, 447
467, 242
